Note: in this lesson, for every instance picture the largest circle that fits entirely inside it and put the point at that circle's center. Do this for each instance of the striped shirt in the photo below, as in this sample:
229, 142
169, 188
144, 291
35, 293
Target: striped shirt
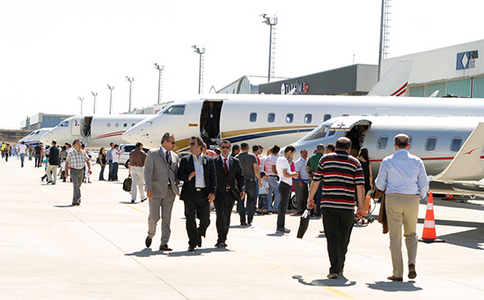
77, 159
341, 173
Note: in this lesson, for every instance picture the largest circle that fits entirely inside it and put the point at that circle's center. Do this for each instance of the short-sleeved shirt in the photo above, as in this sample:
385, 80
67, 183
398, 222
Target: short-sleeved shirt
22, 149
340, 173
38, 149
115, 155
283, 164
262, 189
247, 161
77, 159
269, 161
300, 166
313, 161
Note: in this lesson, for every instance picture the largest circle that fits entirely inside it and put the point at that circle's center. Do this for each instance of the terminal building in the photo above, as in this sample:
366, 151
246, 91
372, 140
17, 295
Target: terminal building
455, 70
42, 120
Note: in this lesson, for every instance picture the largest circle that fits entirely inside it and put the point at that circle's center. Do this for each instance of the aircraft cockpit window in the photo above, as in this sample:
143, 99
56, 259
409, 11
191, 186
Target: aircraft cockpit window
382, 142
37, 132
308, 118
456, 144
175, 110
318, 133
253, 117
431, 143
64, 124
289, 118
271, 117
331, 132
326, 117
133, 124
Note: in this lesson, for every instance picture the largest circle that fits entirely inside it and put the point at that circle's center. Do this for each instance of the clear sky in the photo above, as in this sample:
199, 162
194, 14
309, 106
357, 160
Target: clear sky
54, 51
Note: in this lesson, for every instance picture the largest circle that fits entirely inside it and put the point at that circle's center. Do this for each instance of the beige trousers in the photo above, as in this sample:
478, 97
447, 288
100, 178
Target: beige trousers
402, 210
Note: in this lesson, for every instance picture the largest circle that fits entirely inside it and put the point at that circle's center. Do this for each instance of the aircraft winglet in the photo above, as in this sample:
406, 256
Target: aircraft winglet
466, 164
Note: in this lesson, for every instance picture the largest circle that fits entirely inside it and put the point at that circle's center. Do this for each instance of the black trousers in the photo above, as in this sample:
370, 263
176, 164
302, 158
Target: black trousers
224, 202
197, 207
251, 190
338, 224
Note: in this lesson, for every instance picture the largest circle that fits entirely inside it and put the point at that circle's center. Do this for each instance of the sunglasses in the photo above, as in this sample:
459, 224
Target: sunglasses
225, 147
192, 144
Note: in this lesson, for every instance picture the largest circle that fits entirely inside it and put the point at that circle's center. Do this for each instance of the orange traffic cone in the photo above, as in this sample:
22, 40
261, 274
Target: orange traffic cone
429, 235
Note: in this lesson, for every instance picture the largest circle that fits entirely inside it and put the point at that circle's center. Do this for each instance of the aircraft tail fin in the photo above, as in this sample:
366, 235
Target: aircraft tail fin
395, 81
466, 164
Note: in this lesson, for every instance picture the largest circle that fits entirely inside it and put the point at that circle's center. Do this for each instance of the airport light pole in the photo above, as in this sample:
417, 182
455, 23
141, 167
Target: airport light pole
160, 79
130, 83
110, 98
199, 51
271, 21
81, 99
94, 105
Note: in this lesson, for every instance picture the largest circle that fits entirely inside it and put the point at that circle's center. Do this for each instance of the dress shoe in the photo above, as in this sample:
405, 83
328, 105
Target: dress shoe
220, 245
243, 224
165, 248
133, 201
284, 230
148, 242
411, 271
191, 249
332, 275
143, 200
394, 278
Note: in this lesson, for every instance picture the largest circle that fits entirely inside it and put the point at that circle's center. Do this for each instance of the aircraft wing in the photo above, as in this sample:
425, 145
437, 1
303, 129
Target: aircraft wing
395, 81
466, 164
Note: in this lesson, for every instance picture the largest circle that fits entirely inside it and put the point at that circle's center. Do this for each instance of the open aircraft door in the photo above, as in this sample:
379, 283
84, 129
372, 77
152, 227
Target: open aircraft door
210, 119
76, 126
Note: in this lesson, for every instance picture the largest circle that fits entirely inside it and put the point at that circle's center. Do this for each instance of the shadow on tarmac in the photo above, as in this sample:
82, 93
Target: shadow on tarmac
341, 281
470, 238
64, 205
392, 286
147, 252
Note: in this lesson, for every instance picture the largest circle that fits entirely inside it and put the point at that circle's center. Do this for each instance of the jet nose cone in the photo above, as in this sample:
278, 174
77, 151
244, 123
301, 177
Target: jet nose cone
130, 136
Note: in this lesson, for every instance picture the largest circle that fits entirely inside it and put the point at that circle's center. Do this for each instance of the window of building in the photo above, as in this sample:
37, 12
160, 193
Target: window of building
431, 143
455, 144
326, 117
460, 88
308, 118
478, 88
253, 117
289, 118
271, 117
417, 91
441, 87
382, 142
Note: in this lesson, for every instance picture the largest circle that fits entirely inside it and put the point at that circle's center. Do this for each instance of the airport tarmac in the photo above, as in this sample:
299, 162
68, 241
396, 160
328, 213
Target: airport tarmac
52, 250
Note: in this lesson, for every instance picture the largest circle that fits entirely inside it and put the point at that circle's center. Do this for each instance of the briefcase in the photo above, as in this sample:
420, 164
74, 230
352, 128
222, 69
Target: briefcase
127, 184
303, 224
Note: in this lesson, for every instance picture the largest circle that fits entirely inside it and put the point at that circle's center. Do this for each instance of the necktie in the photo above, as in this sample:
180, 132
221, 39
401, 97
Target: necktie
226, 169
168, 158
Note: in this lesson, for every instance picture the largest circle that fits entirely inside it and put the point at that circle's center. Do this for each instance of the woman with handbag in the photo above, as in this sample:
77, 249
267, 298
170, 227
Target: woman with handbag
101, 159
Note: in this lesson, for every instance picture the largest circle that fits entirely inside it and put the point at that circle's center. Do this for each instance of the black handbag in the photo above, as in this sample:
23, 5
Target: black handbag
303, 224
127, 184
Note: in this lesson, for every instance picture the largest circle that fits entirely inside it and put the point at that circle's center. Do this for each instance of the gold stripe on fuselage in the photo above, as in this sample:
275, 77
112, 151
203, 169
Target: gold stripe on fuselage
229, 134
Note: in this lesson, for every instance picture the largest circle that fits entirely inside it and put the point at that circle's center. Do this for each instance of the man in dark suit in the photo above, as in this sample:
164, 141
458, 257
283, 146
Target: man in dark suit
230, 187
197, 171
53, 163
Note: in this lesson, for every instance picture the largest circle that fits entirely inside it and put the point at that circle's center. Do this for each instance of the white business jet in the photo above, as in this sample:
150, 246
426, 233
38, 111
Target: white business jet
94, 131
35, 136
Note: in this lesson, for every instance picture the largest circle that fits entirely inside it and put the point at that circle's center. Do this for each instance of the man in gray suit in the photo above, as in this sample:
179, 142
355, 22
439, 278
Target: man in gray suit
161, 166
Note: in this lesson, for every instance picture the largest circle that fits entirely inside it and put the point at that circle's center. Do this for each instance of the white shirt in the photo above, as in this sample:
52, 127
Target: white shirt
199, 178
22, 149
115, 155
283, 164
223, 162
300, 166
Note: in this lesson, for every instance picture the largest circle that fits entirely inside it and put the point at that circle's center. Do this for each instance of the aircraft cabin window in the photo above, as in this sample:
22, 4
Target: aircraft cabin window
109, 125
253, 117
456, 144
116, 125
308, 118
326, 117
382, 142
289, 118
431, 143
271, 117
175, 110
133, 124
125, 125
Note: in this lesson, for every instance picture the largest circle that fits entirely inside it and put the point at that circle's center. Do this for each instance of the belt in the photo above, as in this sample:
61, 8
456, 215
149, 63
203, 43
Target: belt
137, 166
200, 189
77, 169
250, 179
285, 183
272, 175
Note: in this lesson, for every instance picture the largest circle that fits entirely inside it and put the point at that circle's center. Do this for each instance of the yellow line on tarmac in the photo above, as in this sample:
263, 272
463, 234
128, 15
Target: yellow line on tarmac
137, 209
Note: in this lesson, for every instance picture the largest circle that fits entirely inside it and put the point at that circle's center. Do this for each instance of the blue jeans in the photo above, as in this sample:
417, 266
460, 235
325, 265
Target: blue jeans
263, 201
273, 188
285, 192
101, 174
22, 159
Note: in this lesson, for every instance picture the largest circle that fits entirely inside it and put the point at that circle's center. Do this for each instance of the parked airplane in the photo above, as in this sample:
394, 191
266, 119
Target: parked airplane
35, 136
436, 140
94, 131
464, 175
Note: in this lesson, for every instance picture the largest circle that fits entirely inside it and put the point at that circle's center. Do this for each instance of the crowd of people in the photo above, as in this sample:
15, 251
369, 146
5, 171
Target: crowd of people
330, 183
